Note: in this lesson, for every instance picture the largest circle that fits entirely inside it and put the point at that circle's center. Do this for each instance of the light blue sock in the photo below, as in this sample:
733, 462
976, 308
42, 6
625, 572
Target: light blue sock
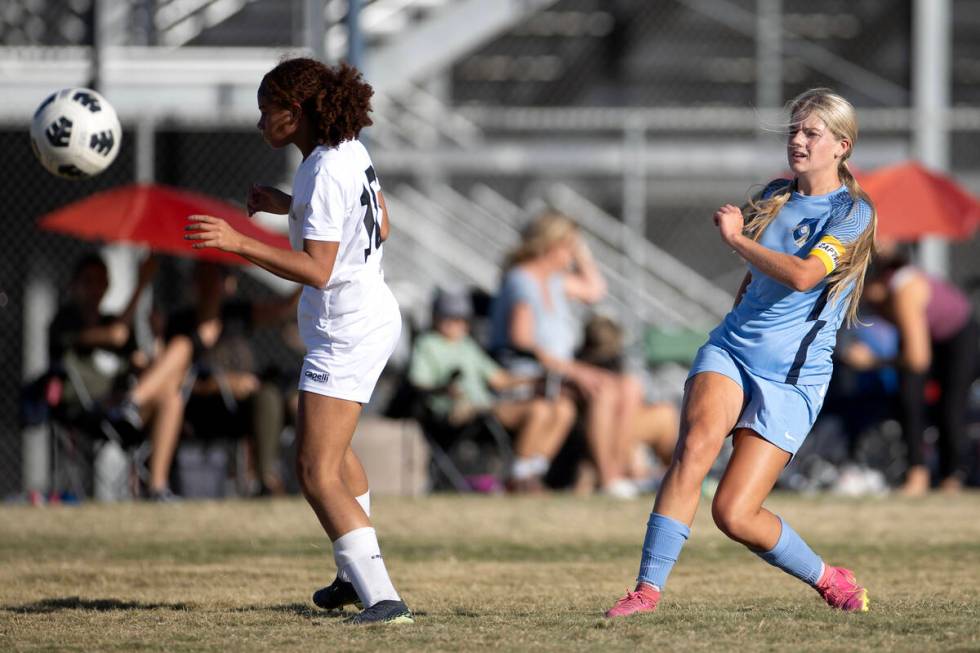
792, 555
662, 545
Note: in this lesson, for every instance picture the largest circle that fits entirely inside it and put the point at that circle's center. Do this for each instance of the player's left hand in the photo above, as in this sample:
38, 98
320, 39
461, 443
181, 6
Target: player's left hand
730, 222
209, 231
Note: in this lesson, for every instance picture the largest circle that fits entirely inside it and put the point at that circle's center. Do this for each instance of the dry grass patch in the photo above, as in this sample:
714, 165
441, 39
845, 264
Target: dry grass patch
511, 574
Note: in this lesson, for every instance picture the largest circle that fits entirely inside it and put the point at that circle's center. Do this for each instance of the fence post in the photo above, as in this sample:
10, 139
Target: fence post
634, 209
40, 301
931, 87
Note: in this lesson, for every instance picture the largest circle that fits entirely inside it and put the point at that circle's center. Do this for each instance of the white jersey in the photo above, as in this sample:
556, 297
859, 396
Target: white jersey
335, 199
350, 325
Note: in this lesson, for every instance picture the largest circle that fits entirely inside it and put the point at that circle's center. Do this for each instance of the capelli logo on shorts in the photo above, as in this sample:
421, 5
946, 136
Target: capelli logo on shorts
319, 377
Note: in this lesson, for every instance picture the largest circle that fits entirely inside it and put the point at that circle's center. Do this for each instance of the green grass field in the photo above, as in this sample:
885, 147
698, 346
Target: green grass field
481, 573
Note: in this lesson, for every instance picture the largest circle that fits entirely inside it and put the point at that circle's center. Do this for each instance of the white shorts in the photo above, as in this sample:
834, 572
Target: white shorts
345, 359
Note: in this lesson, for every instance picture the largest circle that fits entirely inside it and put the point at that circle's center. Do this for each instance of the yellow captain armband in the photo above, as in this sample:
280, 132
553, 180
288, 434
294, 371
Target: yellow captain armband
829, 250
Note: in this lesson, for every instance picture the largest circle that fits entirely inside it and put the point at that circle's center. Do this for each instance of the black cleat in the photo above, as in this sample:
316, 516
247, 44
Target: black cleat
336, 595
383, 612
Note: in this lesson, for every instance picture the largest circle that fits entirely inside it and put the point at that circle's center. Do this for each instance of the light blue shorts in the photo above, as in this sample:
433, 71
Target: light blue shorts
781, 413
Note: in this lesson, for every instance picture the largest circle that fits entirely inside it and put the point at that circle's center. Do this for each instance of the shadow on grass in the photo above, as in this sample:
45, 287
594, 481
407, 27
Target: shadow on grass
298, 609
45, 606
304, 610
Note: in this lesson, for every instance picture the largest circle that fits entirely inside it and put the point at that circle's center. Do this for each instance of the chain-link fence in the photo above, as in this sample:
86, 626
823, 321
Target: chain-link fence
220, 162
584, 53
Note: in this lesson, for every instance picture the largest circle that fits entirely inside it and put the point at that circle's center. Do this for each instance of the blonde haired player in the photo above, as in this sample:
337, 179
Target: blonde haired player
348, 318
763, 372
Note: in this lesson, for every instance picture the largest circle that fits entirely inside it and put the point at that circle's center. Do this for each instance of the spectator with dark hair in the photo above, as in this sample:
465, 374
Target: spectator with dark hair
655, 424
938, 338
448, 358
96, 351
226, 396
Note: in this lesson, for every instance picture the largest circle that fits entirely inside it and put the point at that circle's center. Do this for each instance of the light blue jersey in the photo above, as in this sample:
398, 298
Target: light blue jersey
781, 334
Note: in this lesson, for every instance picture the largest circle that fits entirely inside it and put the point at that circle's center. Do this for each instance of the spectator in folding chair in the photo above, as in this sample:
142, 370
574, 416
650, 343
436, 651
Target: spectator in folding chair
655, 424
209, 363
93, 355
458, 380
533, 331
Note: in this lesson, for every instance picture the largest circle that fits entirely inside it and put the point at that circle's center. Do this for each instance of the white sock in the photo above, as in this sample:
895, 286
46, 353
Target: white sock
525, 468
540, 465
365, 501
357, 553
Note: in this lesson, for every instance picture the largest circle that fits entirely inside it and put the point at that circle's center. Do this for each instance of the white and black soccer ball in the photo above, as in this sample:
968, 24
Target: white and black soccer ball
75, 133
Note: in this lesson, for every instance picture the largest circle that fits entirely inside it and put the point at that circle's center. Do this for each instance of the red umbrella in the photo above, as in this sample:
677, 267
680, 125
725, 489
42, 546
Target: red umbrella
913, 202
153, 215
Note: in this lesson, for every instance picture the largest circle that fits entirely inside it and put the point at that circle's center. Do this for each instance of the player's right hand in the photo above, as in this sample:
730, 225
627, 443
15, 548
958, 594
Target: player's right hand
267, 199
730, 222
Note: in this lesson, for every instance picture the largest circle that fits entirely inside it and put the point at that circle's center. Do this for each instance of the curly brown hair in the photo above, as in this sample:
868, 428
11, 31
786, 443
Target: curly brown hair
336, 97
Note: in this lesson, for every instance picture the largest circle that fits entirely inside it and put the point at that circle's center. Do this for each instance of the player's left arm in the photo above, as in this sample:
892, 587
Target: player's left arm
788, 269
384, 216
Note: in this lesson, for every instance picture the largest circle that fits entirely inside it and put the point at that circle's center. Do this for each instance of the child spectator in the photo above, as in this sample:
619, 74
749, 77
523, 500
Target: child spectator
447, 358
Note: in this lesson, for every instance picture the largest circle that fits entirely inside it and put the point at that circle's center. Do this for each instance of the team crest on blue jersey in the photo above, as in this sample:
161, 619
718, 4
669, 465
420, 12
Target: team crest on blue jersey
803, 231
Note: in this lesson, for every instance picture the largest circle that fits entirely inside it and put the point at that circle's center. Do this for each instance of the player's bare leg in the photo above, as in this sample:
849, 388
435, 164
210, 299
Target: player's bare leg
326, 428
749, 478
354, 475
737, 510
712, 404
329, 474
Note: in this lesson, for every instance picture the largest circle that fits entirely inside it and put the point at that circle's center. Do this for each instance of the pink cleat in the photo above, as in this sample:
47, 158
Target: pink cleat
643, 599
840, 590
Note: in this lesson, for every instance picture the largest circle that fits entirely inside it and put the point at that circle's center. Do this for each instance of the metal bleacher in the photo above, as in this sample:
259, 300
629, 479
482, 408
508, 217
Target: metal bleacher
613, 112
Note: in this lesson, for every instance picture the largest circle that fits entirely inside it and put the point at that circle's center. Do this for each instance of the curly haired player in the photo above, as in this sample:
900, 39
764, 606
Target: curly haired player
348, 318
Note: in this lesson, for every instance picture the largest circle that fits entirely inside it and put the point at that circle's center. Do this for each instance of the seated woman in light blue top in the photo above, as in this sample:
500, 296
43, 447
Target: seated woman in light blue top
532, 329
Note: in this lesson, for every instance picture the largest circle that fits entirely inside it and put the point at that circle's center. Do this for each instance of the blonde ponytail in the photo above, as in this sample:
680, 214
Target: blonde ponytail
759, 212
852, 268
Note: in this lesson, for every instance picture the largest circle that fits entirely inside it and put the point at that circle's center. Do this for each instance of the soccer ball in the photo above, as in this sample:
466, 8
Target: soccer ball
75, 133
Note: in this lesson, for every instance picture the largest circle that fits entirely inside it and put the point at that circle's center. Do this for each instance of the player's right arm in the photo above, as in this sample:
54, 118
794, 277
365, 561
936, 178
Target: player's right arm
310, 266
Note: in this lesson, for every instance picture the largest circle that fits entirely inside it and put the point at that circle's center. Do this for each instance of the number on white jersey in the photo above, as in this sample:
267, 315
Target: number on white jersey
369, 200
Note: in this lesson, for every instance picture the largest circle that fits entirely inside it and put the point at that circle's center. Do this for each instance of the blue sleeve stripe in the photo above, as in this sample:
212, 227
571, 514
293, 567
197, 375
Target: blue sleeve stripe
773, 186
851, 224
